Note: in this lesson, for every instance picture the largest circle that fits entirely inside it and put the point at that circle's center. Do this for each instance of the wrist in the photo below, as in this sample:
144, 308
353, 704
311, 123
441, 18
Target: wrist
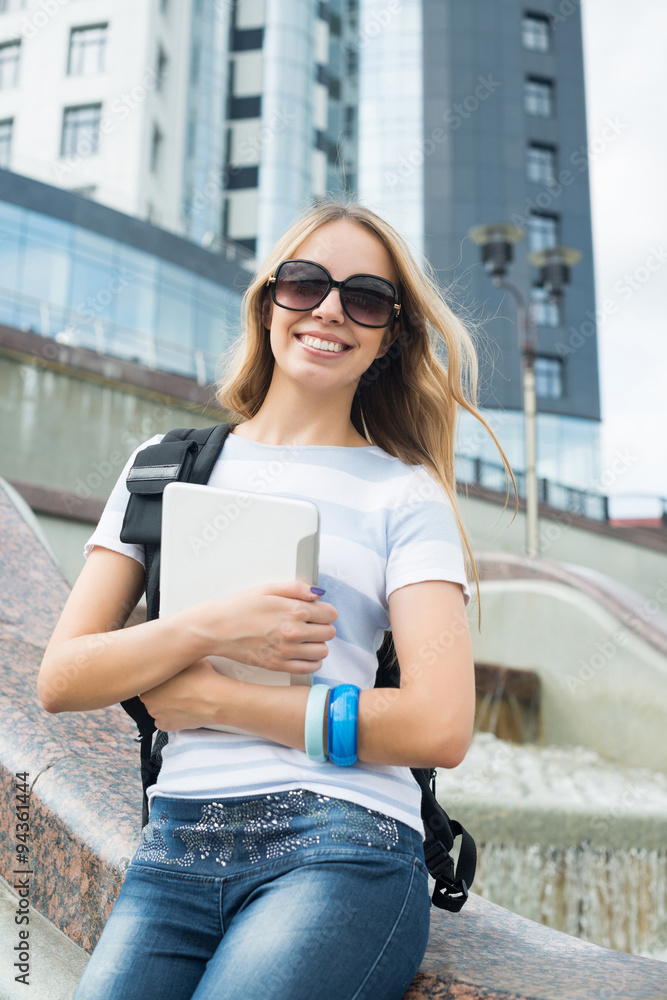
202, 626
221, 699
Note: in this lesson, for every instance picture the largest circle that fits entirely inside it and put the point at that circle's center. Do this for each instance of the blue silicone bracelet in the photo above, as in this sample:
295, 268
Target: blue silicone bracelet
314, 726
342, 735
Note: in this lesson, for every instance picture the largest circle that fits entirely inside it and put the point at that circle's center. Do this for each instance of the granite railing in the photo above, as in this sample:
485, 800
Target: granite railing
85, 809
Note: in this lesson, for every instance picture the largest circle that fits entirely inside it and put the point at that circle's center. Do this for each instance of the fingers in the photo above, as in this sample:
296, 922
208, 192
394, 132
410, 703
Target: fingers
318, 611
304, 666
289, 588
297, 589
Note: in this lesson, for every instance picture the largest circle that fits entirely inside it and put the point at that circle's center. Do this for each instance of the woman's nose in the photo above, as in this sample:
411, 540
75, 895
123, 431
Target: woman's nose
330, 308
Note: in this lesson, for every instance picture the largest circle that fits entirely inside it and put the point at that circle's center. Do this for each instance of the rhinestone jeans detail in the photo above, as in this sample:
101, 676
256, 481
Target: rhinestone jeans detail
266, 828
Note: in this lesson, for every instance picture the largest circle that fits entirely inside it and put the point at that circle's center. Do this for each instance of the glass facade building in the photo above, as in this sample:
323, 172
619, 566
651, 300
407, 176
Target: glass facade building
505, 141
131, 297
203, 155
391, 115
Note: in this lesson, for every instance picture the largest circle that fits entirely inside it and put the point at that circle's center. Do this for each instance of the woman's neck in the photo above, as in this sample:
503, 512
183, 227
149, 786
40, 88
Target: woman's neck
302, 422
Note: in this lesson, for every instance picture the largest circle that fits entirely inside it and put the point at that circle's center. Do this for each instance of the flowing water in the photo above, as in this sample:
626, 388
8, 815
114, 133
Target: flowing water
568, 839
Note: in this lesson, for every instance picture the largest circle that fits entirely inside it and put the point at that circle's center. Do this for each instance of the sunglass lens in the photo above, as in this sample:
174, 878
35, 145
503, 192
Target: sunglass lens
369, 300
300, 285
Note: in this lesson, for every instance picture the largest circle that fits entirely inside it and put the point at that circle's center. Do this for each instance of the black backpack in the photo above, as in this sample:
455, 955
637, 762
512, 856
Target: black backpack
189, 456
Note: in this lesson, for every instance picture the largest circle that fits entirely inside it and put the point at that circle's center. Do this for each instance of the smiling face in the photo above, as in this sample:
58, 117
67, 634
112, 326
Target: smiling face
323, 348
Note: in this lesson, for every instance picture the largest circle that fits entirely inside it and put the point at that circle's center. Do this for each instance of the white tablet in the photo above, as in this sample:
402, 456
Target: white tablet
216, 542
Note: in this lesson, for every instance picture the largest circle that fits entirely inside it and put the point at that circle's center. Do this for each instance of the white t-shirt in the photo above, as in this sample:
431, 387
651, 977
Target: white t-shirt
383, 525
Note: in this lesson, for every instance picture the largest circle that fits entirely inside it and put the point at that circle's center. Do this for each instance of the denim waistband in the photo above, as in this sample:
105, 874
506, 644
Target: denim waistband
218, 836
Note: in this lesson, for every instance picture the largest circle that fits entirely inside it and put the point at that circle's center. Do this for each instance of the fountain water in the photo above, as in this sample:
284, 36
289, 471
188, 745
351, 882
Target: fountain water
567, 839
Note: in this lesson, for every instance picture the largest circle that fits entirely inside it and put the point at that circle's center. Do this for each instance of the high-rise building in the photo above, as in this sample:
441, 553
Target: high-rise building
221, 119
505, 141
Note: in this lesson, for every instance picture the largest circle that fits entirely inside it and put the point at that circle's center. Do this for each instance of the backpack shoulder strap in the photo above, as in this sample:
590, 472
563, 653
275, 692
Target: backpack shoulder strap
209, 442
451, 881
183, 455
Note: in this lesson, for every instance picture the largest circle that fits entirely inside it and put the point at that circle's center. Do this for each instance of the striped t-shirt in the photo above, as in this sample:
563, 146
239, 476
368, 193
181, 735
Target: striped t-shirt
383, 525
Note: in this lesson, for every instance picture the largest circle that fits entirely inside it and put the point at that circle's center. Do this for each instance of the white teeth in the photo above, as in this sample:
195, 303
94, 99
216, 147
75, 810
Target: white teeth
324, 345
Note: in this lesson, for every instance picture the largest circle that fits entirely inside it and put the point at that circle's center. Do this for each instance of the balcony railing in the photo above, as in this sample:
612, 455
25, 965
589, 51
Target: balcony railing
68, 326
638, 509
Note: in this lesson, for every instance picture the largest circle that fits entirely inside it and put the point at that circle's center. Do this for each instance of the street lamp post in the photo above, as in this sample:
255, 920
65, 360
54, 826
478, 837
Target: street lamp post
496, 243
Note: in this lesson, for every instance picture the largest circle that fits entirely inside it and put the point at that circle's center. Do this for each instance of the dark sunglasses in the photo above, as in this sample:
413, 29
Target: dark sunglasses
302, 285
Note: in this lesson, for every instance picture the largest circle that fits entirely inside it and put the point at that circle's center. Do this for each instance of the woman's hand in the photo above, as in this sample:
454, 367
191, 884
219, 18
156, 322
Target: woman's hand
188, 700
279, 626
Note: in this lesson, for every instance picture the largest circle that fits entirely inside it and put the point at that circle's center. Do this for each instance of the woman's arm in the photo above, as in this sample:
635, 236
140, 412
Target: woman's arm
426, 723
92, 661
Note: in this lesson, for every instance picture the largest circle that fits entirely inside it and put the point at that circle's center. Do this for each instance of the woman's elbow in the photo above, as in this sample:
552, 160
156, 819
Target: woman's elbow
50, 691
453, 746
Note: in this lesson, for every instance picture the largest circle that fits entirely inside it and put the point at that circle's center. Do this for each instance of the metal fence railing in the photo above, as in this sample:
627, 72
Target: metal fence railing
69, 326
596, 506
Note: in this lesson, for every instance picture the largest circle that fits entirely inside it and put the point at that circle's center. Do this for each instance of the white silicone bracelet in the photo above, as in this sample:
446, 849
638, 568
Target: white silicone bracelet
314, 725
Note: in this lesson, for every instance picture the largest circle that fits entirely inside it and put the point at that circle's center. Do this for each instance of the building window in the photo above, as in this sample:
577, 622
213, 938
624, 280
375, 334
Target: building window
244, 107
9, 65
242, 177
538, 97
541, 163
156, 148
546, 312
5, 141
536, 32
160, 68
542, 232
247, 39
87, 47
548, 378
81, 131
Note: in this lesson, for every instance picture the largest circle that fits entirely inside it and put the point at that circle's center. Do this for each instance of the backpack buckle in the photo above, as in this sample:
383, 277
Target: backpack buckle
439, 861
449, 895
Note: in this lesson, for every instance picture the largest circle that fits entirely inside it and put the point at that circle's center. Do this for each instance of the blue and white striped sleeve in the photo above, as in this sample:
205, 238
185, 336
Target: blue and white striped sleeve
423, 541
107, 532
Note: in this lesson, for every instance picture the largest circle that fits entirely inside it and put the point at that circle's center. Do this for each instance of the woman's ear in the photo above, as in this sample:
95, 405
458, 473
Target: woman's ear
267, 312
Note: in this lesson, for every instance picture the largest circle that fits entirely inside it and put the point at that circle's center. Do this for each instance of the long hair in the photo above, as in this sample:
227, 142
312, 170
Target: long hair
408, 401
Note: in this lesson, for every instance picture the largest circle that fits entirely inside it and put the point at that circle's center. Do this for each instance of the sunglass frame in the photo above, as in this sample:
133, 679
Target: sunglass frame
340, 285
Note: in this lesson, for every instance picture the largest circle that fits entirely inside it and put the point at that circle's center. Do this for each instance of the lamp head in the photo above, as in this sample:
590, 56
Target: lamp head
496, 242
554, 264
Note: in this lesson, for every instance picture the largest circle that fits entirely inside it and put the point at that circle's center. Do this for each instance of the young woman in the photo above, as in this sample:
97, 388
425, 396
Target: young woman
267, 871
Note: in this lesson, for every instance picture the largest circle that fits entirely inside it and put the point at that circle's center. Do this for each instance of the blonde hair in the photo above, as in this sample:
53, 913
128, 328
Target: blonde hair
407, 402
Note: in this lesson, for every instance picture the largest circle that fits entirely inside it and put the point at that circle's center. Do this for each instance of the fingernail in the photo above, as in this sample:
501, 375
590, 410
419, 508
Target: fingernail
317, 590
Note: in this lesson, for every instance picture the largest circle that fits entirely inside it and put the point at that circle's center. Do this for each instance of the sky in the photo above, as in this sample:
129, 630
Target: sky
626, 83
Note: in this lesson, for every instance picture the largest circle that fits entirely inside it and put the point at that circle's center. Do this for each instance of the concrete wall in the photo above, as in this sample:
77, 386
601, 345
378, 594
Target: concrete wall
637, 567
71, 433
603, 686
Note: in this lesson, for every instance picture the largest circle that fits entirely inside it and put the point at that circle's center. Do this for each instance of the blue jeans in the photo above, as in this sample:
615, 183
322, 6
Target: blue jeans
288, 896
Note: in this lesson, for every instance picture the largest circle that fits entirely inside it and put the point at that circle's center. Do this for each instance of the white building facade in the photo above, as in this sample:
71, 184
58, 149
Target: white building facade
96, 100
